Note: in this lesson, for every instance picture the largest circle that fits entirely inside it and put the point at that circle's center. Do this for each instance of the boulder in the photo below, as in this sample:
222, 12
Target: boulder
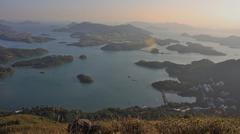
83, 126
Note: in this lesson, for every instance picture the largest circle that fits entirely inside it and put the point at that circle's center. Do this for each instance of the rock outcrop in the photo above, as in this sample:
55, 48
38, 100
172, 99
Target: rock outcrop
83, 126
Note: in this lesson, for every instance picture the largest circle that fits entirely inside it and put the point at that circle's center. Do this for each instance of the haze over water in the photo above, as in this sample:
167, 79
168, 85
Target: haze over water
200, 13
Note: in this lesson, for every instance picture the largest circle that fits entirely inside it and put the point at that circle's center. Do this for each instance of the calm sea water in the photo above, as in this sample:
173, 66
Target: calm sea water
110, 70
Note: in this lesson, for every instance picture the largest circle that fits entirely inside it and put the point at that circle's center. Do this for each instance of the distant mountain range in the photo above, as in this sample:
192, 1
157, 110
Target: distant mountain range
178, 27
163, 26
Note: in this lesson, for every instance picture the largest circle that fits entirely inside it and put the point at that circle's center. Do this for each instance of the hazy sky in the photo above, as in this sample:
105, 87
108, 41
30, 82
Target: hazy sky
204, 13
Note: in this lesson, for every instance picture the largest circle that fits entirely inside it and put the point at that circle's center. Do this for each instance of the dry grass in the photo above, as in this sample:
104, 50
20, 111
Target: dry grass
28, 124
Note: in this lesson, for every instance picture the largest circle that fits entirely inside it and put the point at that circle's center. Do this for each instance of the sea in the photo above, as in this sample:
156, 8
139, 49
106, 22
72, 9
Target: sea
118, 82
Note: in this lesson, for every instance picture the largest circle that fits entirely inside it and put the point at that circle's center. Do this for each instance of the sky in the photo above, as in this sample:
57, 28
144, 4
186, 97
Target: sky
200, 13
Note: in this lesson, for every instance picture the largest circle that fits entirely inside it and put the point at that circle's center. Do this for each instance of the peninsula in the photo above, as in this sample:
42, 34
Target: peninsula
45, 62
9, 54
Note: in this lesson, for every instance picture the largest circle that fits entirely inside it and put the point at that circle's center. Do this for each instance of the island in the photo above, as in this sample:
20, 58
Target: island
93, 34
9, 54
45, 62
165, 42
83, 57
123, 46
8, 34
231, 41
195, 48
84, 78
213, 84
86, 41
5, 71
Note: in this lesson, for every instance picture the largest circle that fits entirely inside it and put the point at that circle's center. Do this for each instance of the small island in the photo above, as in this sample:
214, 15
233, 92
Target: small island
195, 48
5, 71
83, 57
154, 51
9, 54
211, 83
84, 78
45, 62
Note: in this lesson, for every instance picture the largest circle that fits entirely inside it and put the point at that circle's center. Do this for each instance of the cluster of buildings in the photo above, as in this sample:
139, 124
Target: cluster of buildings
212, 97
